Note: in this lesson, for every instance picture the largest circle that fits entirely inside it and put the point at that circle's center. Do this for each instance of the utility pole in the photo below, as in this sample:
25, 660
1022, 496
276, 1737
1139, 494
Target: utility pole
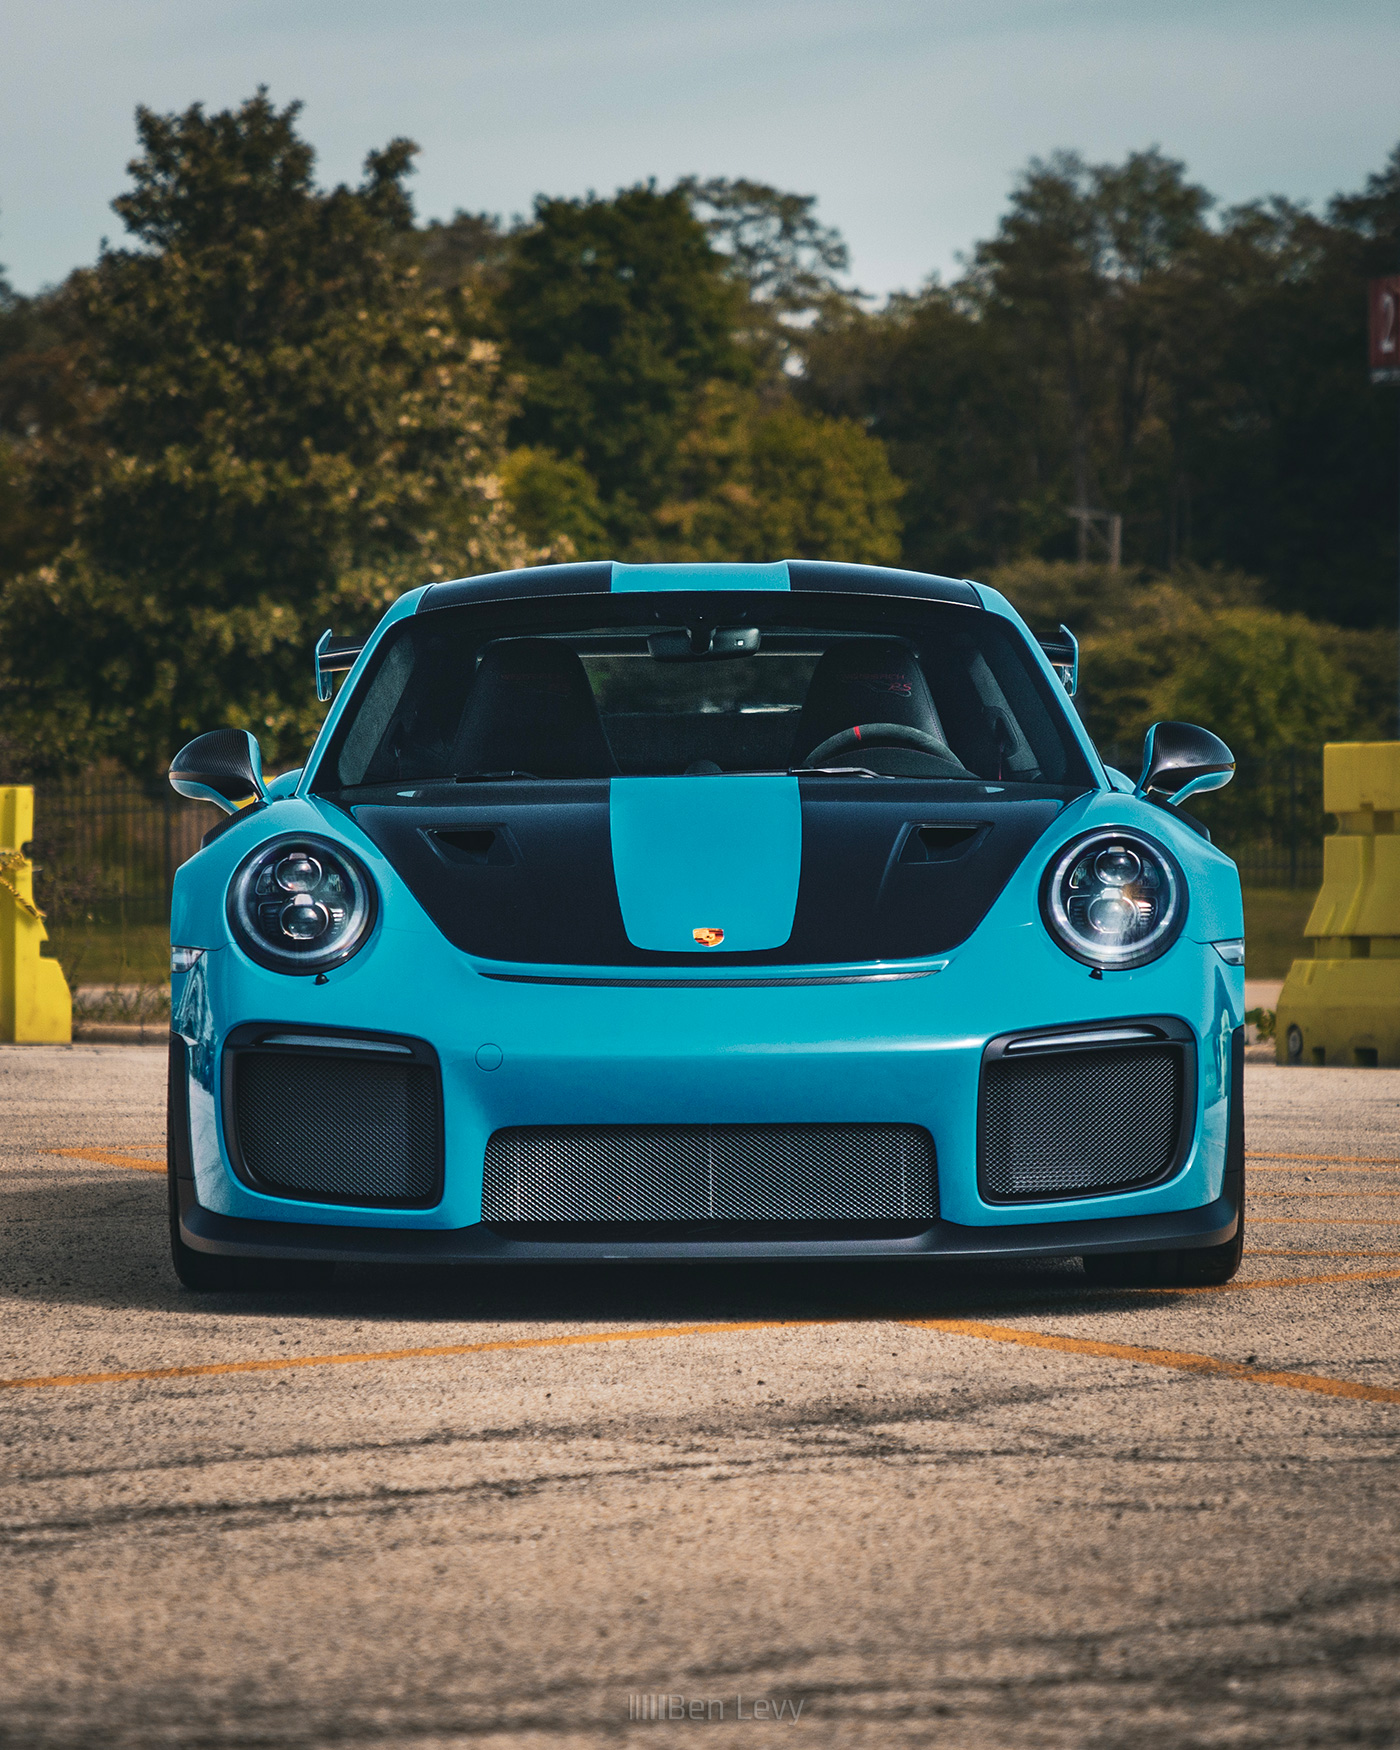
1385, 369
1111, 534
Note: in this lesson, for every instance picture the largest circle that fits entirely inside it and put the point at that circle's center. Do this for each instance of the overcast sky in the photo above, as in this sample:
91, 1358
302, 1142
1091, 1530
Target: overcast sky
908, 118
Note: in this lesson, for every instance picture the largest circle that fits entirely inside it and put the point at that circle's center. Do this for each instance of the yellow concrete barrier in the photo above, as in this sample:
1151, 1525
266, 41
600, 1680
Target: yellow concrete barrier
1342, 1006
35, 1007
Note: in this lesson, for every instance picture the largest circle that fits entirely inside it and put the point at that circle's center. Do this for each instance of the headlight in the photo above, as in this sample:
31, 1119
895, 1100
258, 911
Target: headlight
1114, 899
301, 905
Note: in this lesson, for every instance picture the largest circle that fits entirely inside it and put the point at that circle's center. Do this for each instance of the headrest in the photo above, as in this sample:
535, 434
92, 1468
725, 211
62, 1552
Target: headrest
865, 680
532, 710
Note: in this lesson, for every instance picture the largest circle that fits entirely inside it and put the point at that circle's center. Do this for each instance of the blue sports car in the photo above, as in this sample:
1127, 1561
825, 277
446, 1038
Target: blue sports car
705, 911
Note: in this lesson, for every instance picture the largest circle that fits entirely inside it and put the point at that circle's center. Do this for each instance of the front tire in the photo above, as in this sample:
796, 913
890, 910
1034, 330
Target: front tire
1205, 1267
209, 1272
203, 1272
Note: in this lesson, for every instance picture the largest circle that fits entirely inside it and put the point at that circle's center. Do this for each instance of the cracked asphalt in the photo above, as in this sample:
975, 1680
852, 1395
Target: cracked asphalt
870, 1507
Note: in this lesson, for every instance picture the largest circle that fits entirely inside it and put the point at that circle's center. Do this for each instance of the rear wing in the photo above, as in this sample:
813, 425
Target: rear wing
1061, 653
335, 656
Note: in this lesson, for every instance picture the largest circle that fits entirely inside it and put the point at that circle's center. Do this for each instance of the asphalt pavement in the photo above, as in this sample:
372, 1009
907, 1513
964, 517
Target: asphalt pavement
864, 1507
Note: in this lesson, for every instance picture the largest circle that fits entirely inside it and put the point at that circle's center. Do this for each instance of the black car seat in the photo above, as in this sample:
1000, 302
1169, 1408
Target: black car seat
864, 680
531, 709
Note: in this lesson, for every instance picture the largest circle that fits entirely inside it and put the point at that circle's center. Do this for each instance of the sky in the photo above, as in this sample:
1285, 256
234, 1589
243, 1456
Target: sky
909, 119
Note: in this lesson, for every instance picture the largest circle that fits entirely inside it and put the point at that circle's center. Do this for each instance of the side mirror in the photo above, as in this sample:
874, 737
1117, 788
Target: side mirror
1180, 760
224, 767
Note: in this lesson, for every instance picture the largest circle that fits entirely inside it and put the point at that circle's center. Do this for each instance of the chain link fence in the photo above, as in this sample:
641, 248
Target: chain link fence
107, 846
105, 850
1270, 819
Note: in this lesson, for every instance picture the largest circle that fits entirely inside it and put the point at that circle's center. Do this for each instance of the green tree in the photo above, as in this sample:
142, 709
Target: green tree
1199, 644
782, 256
774, 242
759, 482
942, 390
1261, 681
555, 505
45, 397
1292, 453
1113, 346
617, 313
290, 429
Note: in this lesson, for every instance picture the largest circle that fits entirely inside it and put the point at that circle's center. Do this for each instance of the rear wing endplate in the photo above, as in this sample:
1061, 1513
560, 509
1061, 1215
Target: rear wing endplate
334, 656
1062, 654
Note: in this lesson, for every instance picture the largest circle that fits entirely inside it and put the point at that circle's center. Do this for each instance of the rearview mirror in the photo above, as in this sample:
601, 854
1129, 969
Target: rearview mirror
1181, 760
699, 643
223, 767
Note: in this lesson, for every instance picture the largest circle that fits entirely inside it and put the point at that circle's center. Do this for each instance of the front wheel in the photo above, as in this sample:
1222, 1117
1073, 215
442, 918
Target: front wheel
210, 1273
204, 1272
1205, 1267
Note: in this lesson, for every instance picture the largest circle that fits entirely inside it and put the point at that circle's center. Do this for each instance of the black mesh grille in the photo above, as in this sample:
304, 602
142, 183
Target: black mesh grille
711, 1173
338, 1128
1080, 1121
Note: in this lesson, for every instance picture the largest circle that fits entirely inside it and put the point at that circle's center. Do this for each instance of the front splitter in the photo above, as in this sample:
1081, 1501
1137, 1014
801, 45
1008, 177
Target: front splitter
233, 1237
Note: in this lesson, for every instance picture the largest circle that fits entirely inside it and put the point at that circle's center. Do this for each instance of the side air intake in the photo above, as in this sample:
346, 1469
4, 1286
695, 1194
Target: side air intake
1085, 1112
334, 1117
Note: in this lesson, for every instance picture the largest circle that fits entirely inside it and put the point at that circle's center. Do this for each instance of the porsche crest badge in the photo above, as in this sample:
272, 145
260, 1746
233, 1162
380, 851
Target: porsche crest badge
708, 936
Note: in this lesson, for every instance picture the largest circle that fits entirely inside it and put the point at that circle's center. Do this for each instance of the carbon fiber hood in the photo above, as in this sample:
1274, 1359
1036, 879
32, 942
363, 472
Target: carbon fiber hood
524, 872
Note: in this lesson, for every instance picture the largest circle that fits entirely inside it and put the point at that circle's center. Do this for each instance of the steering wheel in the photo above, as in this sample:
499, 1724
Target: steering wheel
873, 735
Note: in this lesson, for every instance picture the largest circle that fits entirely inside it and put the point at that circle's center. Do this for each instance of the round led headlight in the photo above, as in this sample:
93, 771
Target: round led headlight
1114, 899
301, 905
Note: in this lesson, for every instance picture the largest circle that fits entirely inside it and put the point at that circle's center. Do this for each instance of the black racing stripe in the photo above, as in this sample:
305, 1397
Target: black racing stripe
818, 574
866, 892
591, 577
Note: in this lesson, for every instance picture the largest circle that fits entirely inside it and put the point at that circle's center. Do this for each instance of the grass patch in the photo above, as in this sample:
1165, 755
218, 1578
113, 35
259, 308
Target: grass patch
112, 953
140, 953
1273, 929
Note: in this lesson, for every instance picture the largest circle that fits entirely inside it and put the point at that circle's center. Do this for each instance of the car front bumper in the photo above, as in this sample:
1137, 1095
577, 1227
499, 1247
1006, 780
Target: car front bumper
907, 1050
229, 1236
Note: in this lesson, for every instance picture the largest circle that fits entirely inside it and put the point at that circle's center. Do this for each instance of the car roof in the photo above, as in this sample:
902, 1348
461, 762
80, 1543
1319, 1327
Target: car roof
606, 577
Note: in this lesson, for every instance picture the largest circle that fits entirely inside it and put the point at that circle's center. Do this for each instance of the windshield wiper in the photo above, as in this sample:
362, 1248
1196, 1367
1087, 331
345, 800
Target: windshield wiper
839, 771
489, 777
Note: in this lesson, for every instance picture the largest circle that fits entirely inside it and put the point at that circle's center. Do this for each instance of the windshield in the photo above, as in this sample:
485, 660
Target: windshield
605, 686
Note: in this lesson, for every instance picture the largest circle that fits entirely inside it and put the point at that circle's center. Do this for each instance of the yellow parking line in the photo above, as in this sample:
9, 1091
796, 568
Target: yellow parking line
1336, 1172
1314, 1252
1341, 1160
1323, 1220
1255, 1195
279, 1364
110, 1160
1175, 1358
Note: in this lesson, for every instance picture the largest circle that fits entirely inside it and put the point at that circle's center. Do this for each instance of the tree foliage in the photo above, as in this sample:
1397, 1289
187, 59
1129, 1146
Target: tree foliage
757, 480
278, 405
617, 314
656, 422
1200, 645
289, 428
1115, 348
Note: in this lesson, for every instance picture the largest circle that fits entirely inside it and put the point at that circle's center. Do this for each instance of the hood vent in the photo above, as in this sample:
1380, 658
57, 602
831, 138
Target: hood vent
940, 844
471, 846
